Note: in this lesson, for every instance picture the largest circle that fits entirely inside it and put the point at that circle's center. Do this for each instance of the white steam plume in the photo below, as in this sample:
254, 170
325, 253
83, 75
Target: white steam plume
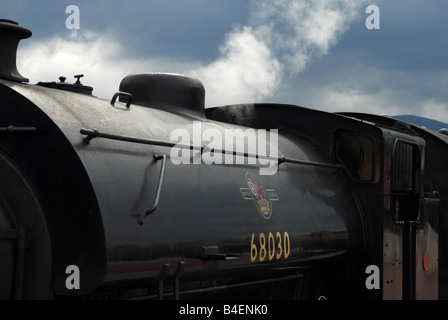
245, 71
282, 38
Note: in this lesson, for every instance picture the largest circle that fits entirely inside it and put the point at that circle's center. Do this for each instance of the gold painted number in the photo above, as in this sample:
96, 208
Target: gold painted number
275, 247
262, 239
253, 249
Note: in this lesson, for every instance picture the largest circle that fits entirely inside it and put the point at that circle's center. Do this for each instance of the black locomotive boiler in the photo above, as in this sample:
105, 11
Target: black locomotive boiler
93, 204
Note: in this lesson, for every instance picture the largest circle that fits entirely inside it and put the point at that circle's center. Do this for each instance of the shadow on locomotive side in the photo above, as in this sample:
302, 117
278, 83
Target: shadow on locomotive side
93, 204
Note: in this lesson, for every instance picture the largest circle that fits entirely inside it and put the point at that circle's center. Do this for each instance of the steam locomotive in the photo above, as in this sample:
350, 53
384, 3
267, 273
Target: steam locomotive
92, 205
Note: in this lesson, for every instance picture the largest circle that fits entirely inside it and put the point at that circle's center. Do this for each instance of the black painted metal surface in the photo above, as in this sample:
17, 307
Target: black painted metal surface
314, 217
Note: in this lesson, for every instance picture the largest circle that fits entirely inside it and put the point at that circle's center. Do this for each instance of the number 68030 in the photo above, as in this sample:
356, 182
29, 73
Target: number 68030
270, 247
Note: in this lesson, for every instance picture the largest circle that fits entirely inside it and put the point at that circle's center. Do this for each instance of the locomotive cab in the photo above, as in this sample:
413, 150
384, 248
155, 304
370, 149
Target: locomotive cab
410, 222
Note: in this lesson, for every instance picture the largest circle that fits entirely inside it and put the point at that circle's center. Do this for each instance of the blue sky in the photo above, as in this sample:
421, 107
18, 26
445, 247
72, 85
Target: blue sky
317, 54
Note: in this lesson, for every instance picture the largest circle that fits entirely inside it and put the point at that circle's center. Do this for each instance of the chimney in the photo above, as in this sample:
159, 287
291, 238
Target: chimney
10, 35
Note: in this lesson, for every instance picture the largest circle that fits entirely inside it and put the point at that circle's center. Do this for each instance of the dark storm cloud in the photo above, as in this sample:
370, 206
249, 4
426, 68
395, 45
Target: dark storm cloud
190, 29
399, 69
412, 37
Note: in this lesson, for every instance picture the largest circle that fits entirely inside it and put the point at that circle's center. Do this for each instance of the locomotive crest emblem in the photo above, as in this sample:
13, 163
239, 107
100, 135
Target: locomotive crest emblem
261, 196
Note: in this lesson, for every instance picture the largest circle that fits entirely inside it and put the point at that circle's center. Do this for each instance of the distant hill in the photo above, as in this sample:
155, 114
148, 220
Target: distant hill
422, 122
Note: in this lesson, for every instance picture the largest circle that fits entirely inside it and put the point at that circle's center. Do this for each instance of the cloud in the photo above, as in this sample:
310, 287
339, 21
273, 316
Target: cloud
385, 102
350, 99
288, 51
100, 57
301, 30
434, 110
282, 38
331, 87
